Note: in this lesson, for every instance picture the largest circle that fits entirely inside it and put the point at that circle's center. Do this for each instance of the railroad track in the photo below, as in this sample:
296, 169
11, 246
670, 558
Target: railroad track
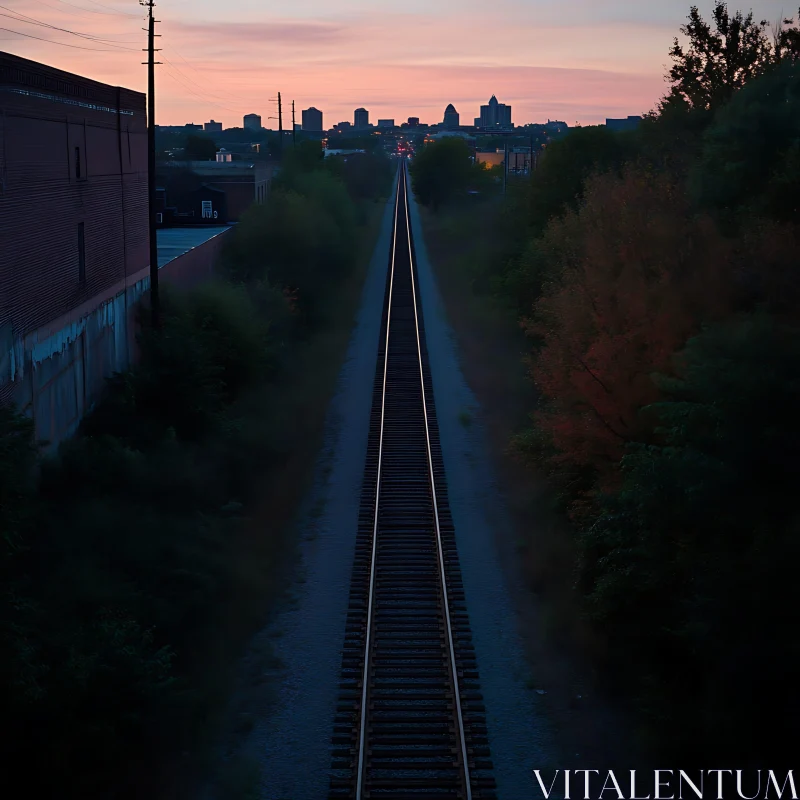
410, 719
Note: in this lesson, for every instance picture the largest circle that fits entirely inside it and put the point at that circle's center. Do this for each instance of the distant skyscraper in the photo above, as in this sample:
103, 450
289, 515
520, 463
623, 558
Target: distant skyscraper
361, 120
312, 120
495, 115
451, 118
212, 127
252, 122
413, 121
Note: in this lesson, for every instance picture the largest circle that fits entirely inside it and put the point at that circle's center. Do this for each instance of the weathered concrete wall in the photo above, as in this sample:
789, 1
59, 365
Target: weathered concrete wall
58, 372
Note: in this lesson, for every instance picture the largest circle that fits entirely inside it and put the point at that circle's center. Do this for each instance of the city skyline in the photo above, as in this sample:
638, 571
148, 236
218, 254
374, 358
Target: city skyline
601, 60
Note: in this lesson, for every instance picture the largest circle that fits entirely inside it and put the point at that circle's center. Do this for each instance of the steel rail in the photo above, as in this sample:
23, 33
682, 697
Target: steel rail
367, 647
440, 552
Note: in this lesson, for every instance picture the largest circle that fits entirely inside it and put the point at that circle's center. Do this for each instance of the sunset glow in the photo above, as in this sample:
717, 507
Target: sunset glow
579, 61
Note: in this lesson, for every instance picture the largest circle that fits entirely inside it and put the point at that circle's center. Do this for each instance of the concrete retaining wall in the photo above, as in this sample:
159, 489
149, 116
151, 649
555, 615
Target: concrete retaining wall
58, 372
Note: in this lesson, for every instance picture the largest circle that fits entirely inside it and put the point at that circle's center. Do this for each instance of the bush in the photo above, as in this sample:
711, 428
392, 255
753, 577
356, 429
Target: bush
212, 345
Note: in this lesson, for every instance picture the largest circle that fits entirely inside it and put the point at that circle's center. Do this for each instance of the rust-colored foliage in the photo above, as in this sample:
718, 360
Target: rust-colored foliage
639, 273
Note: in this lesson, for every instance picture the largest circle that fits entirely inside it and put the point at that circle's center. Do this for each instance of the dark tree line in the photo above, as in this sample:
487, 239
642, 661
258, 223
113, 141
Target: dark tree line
657, 274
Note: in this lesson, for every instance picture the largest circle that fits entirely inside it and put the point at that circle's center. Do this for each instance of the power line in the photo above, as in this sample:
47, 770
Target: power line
195, 70
102, 13
191, 91
31, 21
63, 44
199, 86
112, 10
85, 10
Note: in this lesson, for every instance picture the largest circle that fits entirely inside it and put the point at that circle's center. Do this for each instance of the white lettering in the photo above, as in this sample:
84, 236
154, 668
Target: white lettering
586, 780
789, 780
739, 785
610, 775
633, 788
541, 784
660, 785
719, 779
682, 776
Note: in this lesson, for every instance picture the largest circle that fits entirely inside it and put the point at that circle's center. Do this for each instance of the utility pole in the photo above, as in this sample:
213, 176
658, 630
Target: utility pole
151, 160
530, 163
280, 125
505, 163
294, 132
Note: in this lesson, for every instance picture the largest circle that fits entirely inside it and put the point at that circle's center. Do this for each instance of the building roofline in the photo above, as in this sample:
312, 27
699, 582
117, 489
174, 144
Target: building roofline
18, 72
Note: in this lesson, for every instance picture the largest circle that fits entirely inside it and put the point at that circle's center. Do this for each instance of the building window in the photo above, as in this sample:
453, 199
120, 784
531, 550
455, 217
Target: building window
77, 163
81, 253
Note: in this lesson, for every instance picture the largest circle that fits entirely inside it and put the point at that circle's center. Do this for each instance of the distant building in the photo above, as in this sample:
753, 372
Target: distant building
467, 137
554, 126
343, 127
413, 122
386, 123
450, 118
495, 115
361, 120
235, 186
312, 120
212, 127
629, 124
477, 122
252, 122
189, 126
223, 156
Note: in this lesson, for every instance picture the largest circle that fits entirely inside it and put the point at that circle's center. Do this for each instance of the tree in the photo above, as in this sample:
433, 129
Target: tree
199, 148
367, 176
694, 559
718, 61
634, 274
787, 41
751, 152
442, 171
558, 182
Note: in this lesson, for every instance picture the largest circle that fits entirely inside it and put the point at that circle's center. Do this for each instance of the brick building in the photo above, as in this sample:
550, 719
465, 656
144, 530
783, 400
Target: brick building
242, 182
73, 236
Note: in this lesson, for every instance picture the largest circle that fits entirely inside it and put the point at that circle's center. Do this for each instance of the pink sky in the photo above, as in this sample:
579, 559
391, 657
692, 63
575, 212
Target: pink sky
572, 60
